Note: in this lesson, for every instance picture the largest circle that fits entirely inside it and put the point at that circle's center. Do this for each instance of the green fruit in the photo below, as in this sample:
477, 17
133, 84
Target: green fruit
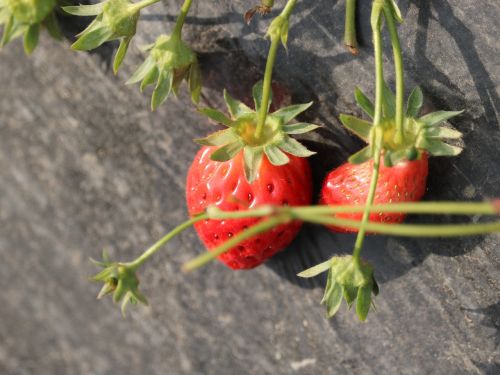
31, 11
120, 17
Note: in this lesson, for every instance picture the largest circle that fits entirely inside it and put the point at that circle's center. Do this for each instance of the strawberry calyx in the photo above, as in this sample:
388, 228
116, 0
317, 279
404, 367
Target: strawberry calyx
428, 133
348, 278
274, 142
169, 63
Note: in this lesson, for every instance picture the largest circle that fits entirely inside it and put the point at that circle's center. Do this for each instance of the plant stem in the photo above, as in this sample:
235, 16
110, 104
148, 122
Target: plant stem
250, 232
144, 3
350, 27
268, 73
153, 249
182, 18
398, 66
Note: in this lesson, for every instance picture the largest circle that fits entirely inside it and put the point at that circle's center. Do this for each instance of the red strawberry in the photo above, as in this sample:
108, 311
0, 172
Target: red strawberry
223, 184
349, 184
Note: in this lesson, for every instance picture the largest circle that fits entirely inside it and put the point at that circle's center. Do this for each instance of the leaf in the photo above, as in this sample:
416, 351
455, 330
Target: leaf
217, 116
31, 38
194, 81
388, 101
142, 71
363, 101
361, 156
162, 89
439, 148
316, 270
292, 146
120, 53
252, 158
85, 10
150, 78
395, 11
415, 101
443, 132
438, 117
227, 152
235, 107
275, 155
334, 301
287, 114
257, 96
363, 302
358, 126
92, 39
299, 128
219, 138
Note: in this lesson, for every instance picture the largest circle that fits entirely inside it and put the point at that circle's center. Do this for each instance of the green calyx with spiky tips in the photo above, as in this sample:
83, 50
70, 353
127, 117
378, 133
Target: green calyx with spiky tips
120, 280
169, 63
274, 142
347, 279
26, 17
426, 133
115, 19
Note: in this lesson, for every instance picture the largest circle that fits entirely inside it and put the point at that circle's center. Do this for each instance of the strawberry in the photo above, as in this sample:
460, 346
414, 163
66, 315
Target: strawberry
223, 185
348, 184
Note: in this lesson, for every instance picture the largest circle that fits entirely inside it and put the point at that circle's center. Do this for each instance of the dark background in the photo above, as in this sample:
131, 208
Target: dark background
84, 165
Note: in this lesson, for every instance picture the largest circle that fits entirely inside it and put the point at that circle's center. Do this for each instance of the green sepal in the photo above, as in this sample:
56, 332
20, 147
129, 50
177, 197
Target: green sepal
275, 155
142, 71
415, 102
92, 39
395, 11
252, 157
150, 78
299, 128
194, 82
436, 118
162, 89
50, 23
284, 33
257, 96
31, 38
217, 116
395, 157
350, 294
363, 302
227, 152
235, 107
316, 270
442, 132
358, 126
11, 28
287, 114
363, 101
438, 148
294, 147
389, 102
334, 299
219, 138
120, 53
84, 10
361, 156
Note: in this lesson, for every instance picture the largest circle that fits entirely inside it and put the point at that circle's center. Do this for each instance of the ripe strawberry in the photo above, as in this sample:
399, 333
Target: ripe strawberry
223, 185
349, 184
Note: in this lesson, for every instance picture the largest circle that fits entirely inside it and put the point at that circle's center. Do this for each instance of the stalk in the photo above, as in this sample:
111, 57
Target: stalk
350, 27
182, 18
145, 3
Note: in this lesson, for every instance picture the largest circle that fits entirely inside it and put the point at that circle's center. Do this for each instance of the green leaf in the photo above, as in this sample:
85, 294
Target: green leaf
287, 114
8, 31
235, 107
299, 128
217, 116
252, 157
435, 118
438, 148
443, 132
275, 155
227, 152
120, 53
334, 301
85, 10
31, 38
162, 89
92, 39
194, 81
361, 156
142, 71
292, 146
219, 138
316, 270
395, 11
415, 102
52, 26
363, 101
150, 78
389, 102
257, 96
359, 127
363, 302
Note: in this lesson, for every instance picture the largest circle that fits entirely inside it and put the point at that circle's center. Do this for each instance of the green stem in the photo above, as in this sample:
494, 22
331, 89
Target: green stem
350, 27
271, 58
144, 3
153, 249
182, 18
260, 227
398, 66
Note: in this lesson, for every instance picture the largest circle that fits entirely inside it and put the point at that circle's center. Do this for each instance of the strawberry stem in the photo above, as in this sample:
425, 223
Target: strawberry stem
350, 40
144, 3
182, 18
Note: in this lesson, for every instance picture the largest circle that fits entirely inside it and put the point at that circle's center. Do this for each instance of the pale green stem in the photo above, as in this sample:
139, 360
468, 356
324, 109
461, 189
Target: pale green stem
350, 27
182, 18
144, 3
